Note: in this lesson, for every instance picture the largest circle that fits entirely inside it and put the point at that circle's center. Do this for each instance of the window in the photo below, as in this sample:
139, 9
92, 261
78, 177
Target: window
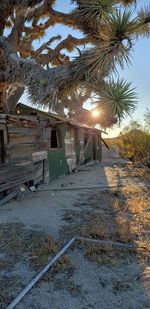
86, 136
56, 138
1, 146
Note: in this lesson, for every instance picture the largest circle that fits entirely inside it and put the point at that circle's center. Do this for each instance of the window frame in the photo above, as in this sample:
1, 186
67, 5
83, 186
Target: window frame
58, 139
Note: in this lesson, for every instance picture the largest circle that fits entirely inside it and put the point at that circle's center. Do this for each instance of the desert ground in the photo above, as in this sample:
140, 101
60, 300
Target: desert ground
109, 200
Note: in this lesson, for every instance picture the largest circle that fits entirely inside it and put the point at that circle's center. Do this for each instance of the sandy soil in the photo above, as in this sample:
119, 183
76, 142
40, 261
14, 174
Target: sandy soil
103, 201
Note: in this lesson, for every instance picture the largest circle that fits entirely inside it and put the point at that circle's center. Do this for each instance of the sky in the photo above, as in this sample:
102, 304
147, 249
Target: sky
138, 72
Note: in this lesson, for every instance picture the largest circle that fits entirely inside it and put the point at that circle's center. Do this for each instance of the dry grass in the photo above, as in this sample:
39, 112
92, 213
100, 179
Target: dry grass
26, 247
132, 224
106, 255
65, 283
120, 215
142, 173
19, 243
8, 284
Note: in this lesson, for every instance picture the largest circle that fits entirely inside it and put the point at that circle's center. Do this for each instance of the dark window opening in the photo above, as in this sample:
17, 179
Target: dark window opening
56, 139
86, 136
33, 113
2, 157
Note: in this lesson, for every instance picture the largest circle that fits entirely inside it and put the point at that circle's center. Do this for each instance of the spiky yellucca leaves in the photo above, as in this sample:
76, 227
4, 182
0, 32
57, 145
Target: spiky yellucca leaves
118, 98
116, 35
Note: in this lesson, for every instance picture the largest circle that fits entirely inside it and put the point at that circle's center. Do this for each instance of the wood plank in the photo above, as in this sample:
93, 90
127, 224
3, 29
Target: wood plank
15, 172
35, 146
38, 180
39, 174
3, 118
14, 183
2, 126
10, 165
33, 119
8, 197
84, 152
18, 159
25, 131
23, 124
46, 171
39, 156
13, 139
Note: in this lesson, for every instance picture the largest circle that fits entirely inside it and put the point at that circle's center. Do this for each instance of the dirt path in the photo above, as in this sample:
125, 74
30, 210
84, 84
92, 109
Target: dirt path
102, 202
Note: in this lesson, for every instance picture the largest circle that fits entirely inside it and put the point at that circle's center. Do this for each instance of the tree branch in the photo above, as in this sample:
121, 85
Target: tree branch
44, 46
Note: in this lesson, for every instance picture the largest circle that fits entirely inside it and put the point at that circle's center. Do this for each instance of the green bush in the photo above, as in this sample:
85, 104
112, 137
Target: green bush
135, 145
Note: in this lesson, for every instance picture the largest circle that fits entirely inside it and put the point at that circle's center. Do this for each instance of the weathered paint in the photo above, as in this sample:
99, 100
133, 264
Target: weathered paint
99, 148
63, 160
89, 152
57, 161
70, 152
77, 145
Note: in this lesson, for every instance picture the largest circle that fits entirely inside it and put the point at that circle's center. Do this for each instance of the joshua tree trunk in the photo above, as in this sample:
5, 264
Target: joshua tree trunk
9, 97
15, 94
2, 101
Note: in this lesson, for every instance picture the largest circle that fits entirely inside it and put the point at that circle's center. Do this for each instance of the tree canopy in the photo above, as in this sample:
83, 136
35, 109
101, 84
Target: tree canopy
52, 78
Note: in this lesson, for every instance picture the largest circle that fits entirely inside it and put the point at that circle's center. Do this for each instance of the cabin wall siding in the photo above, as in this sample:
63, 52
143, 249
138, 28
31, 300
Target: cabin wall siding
28, 156
64, 160
25, 148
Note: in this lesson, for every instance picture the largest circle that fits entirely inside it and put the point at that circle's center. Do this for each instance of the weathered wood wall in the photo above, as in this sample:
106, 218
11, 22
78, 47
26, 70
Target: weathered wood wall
75, 141
70, 151
24, 145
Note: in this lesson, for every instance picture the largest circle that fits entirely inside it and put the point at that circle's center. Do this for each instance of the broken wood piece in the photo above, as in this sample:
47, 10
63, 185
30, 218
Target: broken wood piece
9, 197
84, 152
105, 143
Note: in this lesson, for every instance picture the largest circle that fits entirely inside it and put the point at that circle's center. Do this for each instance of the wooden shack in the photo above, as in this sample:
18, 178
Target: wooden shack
23, 151
66, 141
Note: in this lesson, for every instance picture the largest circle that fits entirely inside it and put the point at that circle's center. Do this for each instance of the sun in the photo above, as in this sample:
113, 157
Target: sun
95, 113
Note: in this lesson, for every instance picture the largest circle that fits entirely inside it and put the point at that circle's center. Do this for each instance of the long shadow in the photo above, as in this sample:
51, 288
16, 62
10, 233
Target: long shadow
108, 214
130, 209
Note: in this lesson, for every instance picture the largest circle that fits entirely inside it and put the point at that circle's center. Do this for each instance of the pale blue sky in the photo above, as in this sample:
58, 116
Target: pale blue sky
138, 73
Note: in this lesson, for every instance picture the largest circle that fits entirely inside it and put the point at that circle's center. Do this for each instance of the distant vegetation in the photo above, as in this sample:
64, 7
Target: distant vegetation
133, 142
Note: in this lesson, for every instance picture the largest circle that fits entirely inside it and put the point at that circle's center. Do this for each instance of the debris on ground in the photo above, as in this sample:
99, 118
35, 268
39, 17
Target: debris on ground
90, 276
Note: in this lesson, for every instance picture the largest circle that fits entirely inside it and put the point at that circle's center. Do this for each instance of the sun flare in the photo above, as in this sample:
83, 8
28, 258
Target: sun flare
95, 113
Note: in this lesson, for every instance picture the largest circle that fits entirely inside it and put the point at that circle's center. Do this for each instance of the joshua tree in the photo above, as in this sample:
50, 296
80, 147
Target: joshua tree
50, 76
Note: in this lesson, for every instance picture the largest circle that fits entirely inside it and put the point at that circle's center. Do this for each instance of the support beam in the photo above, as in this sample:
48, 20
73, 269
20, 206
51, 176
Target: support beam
84, 152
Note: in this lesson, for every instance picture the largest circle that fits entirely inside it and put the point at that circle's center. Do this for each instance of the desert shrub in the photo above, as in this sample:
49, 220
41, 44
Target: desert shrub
135, 145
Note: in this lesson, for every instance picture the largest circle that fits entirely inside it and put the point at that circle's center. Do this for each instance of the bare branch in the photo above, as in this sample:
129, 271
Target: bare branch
45, 45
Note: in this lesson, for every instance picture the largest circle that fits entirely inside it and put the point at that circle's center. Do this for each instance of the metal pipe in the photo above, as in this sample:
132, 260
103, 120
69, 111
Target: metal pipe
107, 242
82, 188
57, 256
40, 274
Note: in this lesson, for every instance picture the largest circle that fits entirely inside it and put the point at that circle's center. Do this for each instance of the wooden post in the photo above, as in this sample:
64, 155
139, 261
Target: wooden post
105, 143
84, 152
